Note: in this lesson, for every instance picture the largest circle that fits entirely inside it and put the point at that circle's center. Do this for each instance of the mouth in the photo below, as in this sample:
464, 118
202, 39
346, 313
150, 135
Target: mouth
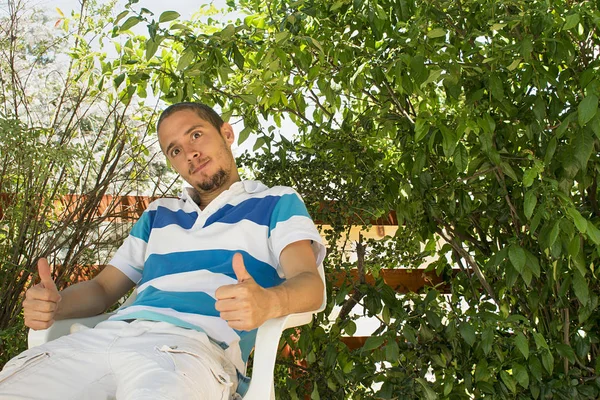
199, 167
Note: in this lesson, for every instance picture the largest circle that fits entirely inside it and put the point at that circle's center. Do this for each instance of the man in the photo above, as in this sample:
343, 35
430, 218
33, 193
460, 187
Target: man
209, 267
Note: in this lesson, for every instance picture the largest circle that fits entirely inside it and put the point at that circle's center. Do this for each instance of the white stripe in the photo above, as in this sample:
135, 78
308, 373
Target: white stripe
295, 229
214, 327
275, 191
203, 281
244, 235
172, 204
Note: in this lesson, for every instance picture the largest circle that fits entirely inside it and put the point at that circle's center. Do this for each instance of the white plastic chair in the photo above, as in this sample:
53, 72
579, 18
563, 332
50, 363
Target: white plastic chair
265, 349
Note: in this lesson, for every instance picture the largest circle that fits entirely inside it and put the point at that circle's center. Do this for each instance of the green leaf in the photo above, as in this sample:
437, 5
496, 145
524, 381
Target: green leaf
392, 352
540, 341
548, 361
186, 59
449, 141
521, 375
532, 264
227, 32
121, 15
487, 339
152, 46
587, 109
508, 381
571, 22
119, 79
496, 87
529, 176
249, 98
373, 342
554, 233
593, 232
238, 58
461, 157
468, 333
580, 222
522, 344
530, 202
244, 134
168, 16
507, 169
421, 129
564, 350
536, 368
436, 33
429, 393
482, 370
580, 287
517, 257
130, 23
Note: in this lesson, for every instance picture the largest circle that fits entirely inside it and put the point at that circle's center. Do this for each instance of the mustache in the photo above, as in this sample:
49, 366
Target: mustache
194, 165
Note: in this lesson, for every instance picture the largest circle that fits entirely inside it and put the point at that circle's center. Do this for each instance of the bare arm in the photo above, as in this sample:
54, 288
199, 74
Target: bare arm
246, 305
93, 297
44, 304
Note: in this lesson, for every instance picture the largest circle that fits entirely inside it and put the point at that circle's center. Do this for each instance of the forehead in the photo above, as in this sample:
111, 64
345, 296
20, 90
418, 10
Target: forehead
178, 124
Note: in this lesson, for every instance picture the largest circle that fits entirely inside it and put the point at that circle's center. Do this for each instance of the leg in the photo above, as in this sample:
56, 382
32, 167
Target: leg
71, 367
161, 365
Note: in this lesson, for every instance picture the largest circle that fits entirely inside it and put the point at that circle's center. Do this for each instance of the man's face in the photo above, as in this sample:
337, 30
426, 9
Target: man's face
197, 150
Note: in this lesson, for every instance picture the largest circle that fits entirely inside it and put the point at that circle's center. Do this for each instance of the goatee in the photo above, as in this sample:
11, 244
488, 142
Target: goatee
216, 181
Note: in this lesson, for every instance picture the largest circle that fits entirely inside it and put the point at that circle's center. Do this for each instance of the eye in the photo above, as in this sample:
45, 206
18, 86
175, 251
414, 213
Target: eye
175, 152
196, 135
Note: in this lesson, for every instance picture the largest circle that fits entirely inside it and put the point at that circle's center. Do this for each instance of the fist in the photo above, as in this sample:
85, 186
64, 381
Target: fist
243, 305
41, 301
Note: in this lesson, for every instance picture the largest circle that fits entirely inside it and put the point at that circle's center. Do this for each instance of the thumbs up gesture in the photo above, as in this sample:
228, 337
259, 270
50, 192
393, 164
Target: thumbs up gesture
41, 301
244, 305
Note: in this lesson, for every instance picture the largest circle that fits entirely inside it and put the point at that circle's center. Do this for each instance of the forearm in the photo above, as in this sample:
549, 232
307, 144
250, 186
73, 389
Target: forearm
93, 297
83, 299
302, 293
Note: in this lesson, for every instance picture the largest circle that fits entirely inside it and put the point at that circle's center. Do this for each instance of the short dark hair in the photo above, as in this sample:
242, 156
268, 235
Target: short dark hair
205, 112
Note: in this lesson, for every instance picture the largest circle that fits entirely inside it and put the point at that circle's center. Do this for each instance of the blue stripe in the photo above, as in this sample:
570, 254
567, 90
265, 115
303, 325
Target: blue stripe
255, 210
215, 261
142, 227
187, 302
247, 340
165, 217
288, 206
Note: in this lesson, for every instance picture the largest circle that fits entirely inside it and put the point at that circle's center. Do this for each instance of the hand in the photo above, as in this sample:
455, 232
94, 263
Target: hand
243, 305
41, 301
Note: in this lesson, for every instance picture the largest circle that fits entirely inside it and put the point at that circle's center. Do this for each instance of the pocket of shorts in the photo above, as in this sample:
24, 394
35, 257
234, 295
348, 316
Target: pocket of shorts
217, 369
21, 363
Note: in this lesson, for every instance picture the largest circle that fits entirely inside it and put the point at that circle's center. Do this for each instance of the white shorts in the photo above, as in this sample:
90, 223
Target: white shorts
117, 359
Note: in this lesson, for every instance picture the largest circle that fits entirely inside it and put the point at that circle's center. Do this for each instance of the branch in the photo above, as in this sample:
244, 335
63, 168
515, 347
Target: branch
465, 254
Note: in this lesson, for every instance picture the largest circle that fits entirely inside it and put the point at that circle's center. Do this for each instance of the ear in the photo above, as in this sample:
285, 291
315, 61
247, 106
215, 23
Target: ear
228, 134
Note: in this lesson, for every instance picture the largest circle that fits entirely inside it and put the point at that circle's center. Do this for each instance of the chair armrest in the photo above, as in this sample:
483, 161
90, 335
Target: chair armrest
61, 328
265, 353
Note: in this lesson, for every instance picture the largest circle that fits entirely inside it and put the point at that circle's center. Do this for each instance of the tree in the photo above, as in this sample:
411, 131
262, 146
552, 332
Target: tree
475, 121
67, 138
478, 123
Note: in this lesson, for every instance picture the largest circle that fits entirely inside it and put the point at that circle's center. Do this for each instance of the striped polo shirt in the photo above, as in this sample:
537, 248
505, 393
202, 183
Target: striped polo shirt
179, 255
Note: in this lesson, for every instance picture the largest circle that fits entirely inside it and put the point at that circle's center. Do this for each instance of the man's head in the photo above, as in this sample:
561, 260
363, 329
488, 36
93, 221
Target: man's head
197, 143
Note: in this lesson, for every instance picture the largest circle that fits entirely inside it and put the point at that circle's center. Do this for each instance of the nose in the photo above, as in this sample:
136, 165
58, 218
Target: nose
191, 153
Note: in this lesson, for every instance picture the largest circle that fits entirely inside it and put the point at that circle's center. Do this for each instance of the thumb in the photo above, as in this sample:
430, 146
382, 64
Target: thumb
239, 268
45, 276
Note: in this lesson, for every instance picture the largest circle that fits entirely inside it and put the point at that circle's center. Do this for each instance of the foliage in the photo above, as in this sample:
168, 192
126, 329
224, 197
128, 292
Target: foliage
475, 121
65, 141
478, 123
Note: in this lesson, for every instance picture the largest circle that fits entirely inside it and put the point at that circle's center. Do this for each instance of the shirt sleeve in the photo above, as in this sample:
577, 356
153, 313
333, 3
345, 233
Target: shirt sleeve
130, 257
290, 222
